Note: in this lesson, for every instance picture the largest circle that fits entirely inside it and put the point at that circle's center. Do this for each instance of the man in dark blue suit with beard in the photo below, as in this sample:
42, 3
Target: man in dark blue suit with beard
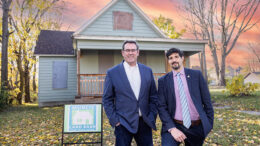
184, 102
130, 99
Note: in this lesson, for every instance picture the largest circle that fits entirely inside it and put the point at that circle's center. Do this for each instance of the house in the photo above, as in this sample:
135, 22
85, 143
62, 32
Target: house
72, 65
253, 77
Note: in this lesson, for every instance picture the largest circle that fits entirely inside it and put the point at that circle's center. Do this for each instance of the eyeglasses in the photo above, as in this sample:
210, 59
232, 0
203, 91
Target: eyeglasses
130, 50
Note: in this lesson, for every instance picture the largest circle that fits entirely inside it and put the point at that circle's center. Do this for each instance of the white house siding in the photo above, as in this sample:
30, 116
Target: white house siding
46, 92
103, 26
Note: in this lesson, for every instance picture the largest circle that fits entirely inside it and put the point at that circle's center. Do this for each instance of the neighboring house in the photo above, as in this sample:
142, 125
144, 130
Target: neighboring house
72, 65
253, 77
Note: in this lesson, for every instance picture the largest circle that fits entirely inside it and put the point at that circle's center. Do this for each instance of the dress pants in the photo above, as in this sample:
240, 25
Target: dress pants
143, 137
195, 136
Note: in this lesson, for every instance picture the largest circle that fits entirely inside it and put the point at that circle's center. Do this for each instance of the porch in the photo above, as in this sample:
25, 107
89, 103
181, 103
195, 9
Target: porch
97, 54
92, 86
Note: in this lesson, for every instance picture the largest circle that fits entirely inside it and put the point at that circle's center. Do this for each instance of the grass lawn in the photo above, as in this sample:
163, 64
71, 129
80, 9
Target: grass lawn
31, 125
248, 103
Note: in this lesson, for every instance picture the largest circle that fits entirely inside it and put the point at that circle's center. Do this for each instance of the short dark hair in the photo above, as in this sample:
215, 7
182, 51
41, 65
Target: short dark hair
130, 41
174, 50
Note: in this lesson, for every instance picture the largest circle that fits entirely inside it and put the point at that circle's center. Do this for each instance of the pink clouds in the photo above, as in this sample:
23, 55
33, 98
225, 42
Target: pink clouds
238, 58
79, 11
167, 8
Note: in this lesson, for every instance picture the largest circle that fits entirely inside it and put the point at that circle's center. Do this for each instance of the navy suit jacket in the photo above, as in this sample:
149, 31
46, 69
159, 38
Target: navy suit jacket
200, 96
120, 103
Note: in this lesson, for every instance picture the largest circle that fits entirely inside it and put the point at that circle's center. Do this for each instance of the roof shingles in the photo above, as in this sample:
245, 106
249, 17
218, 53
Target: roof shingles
54, 43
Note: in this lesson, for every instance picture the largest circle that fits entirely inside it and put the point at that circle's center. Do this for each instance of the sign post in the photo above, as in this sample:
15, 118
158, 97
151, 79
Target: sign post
83, 118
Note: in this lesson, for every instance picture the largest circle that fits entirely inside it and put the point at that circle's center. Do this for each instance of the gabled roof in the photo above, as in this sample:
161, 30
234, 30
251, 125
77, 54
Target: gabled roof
132, 5
54, 43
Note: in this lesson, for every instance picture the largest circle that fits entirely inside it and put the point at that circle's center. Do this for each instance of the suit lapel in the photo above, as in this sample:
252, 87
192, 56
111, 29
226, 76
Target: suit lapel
125, 81
171, 84
188, 78
142, 75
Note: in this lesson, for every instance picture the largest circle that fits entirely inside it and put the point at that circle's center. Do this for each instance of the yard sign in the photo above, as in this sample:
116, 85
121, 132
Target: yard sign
82, 118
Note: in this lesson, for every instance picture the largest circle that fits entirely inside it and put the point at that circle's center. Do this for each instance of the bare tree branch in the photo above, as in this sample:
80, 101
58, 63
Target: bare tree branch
225, 18
253, 48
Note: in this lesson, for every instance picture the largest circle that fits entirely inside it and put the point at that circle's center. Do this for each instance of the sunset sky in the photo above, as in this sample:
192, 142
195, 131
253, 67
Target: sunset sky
79, 11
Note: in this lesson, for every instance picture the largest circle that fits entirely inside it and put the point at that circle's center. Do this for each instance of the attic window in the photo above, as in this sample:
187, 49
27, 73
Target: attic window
123, 20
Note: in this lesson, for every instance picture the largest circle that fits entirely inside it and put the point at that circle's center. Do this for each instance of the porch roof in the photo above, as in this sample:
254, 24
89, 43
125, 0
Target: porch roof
60, 43
146, 44
120, 38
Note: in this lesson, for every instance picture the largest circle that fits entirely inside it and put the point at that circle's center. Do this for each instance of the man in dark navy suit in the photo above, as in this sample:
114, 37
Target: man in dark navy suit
184, 104
130, 99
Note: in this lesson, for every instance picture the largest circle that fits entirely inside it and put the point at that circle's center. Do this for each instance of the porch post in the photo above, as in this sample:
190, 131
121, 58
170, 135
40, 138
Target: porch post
186, 62
204, 65
78, 70
167, 66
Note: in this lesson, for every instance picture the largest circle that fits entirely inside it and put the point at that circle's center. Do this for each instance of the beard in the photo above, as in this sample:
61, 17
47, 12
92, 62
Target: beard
175, 67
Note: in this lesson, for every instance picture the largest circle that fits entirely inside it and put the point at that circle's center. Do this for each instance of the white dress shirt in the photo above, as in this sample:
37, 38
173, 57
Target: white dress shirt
134, 78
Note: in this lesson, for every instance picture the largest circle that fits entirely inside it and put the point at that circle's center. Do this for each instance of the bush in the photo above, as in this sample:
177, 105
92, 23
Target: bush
12, 99
237, 87
3, 99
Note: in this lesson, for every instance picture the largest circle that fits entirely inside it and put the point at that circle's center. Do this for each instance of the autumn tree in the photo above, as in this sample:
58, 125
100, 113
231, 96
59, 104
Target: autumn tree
166, 25
221, 22
28, 18
5, 4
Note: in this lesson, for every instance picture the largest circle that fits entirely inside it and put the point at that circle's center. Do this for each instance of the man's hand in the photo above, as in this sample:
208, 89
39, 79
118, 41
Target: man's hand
178, 135
117, 124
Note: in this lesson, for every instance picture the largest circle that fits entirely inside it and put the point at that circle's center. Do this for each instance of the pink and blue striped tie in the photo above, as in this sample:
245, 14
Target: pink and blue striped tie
184, 103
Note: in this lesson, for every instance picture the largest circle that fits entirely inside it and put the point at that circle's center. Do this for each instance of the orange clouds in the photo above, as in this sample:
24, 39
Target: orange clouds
167, 8
78, 11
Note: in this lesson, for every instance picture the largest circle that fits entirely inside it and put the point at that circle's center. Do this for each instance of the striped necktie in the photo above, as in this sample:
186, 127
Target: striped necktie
184, 103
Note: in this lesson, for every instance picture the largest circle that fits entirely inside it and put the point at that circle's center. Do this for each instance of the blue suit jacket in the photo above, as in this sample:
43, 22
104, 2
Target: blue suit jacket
120, 103
200, 95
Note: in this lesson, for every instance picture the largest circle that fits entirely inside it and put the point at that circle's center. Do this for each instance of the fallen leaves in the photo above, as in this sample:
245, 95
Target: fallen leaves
31, 125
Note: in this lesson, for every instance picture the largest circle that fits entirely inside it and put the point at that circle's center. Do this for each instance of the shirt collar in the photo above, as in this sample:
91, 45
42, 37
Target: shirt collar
128, 66
181, 72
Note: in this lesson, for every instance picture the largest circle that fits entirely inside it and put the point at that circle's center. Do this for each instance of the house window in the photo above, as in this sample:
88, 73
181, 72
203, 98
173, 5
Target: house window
123, 20
59, 74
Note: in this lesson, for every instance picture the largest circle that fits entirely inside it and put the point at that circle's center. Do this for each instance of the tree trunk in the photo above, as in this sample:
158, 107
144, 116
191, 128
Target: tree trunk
21, 73
223, 70
34, 77
215, 59
20, 94
27, 82
203, 67
5, 37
